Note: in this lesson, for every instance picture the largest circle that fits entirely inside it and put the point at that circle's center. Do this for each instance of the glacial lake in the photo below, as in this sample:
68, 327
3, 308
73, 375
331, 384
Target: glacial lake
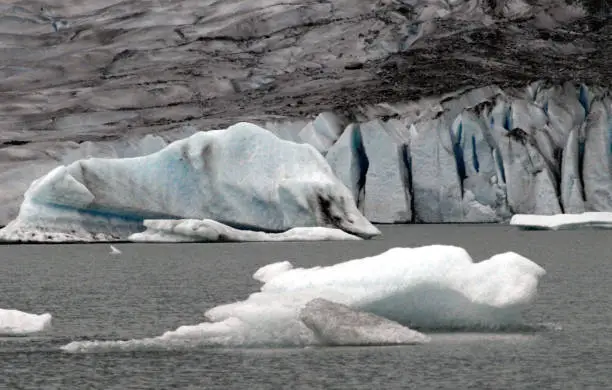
152, 288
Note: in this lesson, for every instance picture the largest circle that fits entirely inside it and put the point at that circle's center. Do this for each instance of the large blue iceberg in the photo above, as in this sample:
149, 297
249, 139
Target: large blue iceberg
244, 177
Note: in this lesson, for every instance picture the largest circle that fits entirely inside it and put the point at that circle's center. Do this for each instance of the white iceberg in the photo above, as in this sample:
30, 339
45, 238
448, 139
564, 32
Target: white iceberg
18, 323
244, 177
207, 230
431, 287
563, 221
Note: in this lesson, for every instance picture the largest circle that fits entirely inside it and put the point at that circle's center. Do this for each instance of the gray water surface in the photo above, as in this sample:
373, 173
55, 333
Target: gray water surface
153, 288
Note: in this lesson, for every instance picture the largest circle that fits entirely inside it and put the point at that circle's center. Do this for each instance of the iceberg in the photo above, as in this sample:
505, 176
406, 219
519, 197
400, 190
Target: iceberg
430, 287
18, 323
563, 221
244, 177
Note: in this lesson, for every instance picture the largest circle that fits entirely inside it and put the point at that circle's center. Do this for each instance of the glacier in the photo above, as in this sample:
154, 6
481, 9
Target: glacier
244, 177
424, 288
428, 111
18, 323
480, 156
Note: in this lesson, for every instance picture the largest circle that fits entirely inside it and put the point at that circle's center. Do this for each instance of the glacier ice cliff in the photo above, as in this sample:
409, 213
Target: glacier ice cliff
425, 288
244, 177
464, 110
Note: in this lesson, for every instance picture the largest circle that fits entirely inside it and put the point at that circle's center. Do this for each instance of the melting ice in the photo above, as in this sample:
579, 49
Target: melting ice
431, 287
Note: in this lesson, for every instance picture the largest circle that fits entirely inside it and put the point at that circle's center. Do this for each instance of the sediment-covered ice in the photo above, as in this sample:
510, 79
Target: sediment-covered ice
244, 177
18, 323
207, 230
336, 324
430, 287
563, 221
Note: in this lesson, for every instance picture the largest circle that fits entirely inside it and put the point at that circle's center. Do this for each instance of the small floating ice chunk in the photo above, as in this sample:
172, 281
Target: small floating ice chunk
207, 230
271, 270
336, 324
18, 323
563, 221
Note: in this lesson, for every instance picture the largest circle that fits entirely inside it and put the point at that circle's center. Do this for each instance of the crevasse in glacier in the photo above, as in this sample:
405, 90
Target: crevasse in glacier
425, 288
244, 177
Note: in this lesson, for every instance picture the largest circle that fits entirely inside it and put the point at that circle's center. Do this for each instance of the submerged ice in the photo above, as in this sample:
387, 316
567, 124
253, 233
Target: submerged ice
18, 323
432, 287
244, 177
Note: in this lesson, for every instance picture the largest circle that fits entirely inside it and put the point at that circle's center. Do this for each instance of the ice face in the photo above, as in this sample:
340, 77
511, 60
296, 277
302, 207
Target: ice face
597, 161
386, 177
244, 177
432, 287
322, 132
18, 323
